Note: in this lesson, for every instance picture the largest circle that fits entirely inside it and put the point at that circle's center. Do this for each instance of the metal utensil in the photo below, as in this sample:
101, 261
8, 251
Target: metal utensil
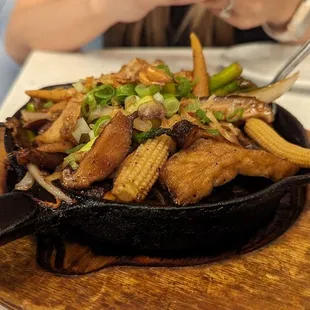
293, 62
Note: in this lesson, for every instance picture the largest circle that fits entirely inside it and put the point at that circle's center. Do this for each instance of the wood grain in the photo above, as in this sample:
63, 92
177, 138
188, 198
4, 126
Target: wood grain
274, 277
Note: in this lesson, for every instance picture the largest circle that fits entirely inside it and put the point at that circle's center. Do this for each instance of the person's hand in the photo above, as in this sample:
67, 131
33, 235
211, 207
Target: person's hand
134, 10
246, 14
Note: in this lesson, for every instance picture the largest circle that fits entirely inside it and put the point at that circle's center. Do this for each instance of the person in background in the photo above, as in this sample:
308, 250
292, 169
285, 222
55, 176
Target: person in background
67, 25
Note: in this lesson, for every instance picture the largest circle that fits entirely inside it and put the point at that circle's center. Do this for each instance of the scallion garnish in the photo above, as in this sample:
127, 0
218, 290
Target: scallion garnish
202, 117
184, 88
89, 104
75, 149
125, 91
219, 115
235, 116
172, 106
169, 88
104, 93
102, 121
143, 90
165, 68
213, 131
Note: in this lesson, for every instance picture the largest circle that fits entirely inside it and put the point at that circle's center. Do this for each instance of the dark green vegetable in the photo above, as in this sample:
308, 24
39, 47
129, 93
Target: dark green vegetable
235, 116
219, 115
125, 91
226, 76
143, 136
202, 116
30, 107
30, 135
143, 90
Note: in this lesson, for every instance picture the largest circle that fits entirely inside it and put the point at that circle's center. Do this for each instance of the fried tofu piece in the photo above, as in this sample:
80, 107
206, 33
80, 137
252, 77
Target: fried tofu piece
191, 174
108, 152
62, 128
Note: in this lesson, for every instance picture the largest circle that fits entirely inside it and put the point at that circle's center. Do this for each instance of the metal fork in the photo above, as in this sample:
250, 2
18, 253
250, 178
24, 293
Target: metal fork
293, 62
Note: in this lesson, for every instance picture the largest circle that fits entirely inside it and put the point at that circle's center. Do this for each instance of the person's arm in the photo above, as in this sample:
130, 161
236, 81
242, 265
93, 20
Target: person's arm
59, 25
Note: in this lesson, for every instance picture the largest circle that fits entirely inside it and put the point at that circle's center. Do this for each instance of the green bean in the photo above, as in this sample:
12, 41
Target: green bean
226, 76
227, 89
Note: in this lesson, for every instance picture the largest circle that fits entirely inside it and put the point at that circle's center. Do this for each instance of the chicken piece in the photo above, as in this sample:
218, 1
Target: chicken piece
62, 128
191, 174
239, 107
107, 153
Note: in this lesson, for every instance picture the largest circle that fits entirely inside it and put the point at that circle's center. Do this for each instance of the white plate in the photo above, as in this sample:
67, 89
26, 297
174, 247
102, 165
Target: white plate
261, 61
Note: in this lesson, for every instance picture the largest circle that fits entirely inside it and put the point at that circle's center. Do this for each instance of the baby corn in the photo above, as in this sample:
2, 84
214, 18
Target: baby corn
271, 141
140, 171
55, 95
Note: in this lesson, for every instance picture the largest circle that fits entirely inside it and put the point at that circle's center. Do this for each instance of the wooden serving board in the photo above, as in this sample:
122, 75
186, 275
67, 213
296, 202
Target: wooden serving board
274, 277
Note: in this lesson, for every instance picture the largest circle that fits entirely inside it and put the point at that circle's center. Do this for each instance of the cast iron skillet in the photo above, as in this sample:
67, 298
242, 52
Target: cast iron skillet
131, 229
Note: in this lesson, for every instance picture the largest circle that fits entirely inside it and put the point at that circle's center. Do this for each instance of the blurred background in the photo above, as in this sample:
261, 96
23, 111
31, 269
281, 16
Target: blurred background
8, 68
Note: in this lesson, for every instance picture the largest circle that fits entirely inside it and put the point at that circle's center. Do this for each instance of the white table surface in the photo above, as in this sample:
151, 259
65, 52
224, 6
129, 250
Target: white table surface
45, 68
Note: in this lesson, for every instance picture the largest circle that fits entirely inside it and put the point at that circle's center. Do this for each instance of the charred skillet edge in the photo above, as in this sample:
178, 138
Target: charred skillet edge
294, 181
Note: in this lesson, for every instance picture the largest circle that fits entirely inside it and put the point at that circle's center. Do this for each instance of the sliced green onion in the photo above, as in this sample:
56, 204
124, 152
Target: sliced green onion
165, 68
184, 87
134, 107
102, 121
172, 106
81, 128
143, 90
79, 87
70, 160
159, 97
213, 131
219, 115
169, 88
88, 146
235, 116
48, 104
75, 149
193, 107
125, 91
168, 96
89, 105
30, 107
202, 117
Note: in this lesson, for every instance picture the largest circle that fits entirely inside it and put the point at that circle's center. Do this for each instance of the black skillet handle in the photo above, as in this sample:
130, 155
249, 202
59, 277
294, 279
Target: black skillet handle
18, 213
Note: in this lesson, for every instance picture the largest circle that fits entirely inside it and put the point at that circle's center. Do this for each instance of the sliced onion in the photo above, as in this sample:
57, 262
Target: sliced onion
224, 133
272, 92
100, 111
28, 117
26, 183
141, 125
81, 128
49, 187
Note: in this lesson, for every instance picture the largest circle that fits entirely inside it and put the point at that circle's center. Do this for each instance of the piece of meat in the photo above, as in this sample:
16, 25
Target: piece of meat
63, 126
56, 147
191, 174
107, 154
250, 106
43, 160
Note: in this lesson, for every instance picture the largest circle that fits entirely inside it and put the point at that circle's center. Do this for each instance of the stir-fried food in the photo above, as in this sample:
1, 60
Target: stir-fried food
146, 127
